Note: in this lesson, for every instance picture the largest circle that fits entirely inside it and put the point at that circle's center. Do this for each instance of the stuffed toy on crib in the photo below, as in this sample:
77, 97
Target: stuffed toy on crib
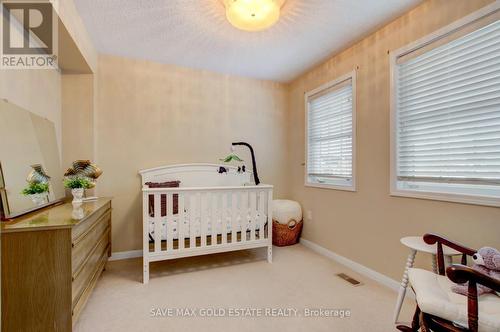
487, 261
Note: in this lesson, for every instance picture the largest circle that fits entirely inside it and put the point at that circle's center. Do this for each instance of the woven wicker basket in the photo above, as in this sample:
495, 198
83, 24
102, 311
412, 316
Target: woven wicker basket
286, 235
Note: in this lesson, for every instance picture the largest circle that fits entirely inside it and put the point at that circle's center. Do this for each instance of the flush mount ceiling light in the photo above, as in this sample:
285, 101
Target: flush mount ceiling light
253, 15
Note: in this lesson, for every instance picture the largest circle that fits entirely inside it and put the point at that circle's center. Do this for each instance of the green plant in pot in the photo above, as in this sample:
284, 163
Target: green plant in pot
37, 192
78, 186
80, 176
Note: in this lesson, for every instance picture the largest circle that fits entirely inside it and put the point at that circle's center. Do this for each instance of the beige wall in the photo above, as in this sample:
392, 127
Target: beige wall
365, 226
73, 23
152, 114
77, 118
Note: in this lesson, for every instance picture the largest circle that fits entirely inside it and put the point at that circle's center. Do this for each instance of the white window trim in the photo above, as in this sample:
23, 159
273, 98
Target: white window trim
352, 76
448, 197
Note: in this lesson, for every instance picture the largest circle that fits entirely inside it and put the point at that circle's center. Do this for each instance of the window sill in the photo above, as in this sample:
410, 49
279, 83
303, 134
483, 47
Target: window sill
330, 186
447, 197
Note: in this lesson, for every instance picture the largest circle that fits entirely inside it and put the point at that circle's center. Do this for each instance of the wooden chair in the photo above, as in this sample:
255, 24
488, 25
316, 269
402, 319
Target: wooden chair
438, 309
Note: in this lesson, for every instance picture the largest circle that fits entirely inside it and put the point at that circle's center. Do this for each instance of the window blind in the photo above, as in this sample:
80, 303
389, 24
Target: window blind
448, 111
330, 115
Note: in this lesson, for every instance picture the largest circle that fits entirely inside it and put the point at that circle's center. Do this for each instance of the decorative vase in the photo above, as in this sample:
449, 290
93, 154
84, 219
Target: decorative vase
77, 195
39, 199
77, 213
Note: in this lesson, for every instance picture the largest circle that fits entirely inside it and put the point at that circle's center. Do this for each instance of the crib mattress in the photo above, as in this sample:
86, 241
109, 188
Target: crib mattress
240, 224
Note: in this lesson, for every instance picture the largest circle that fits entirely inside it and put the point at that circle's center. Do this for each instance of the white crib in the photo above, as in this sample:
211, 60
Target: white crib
215, 213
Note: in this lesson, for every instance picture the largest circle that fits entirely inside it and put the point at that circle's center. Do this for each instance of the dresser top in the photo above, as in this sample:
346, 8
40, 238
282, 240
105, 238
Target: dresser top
59, 216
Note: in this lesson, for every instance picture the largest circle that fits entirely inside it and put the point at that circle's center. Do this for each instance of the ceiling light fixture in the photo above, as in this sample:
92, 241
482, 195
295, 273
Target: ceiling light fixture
253, 15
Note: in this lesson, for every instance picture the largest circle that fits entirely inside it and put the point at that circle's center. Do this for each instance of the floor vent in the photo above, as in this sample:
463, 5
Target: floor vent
349, 279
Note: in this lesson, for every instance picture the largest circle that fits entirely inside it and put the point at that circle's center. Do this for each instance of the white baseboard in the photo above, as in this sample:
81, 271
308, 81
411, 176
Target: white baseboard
117, 256
361, 269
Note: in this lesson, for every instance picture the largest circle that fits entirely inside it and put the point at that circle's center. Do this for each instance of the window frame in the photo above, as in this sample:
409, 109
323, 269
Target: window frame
395, 190
352, 187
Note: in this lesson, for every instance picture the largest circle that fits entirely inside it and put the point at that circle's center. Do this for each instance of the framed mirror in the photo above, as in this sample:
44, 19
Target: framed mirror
30, 163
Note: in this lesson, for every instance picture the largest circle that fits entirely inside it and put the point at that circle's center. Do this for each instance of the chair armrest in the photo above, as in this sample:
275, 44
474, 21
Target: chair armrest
431, 238
461, 274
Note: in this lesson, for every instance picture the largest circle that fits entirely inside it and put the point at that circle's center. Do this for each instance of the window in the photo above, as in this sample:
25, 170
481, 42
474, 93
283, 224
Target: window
446, 115
330, 129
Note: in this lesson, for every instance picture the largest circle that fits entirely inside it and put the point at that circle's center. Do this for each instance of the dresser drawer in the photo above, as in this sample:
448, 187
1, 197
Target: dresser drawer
82, 299
79, 230
90, 266
83, 245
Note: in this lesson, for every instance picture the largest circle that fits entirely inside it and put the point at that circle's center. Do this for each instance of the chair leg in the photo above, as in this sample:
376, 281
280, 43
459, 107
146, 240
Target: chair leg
404, 285
423, 323
415, 323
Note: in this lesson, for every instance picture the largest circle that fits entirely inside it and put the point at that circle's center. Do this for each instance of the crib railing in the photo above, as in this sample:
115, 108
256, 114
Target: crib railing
187, 213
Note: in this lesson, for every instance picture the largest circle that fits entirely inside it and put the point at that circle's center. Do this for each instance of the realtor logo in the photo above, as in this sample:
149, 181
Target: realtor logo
29, 35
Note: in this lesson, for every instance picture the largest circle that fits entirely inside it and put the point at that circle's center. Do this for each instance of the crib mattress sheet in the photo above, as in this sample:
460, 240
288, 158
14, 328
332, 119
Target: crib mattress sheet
240, 224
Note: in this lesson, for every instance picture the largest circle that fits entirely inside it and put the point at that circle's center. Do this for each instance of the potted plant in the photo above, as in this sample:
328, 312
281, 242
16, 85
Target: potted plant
77, 186
37, 192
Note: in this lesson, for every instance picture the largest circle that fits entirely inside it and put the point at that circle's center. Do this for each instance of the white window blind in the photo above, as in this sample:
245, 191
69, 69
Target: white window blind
448, 112
330, 135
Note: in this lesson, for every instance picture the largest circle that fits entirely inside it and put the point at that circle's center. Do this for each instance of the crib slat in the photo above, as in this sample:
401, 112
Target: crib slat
158, 223
253, 214
244, 215
262, 219
214, 220
203, 219
223, 217
170, 223
180, 221
269, 234
192, 218
234, 215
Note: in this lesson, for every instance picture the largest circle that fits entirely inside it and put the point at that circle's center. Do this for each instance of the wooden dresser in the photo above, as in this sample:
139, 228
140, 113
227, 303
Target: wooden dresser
51, 263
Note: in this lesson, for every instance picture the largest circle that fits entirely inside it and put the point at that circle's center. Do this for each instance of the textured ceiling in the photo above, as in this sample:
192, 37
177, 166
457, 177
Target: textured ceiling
195, 33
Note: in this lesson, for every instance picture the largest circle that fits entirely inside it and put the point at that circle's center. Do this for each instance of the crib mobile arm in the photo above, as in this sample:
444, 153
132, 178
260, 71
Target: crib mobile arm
254, 164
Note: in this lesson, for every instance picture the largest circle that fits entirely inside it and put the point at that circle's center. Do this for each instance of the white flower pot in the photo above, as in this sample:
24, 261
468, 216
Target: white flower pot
77, 195
77, 212
39, 199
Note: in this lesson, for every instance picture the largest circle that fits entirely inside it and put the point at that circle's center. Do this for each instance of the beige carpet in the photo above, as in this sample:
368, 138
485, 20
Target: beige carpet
298, 279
